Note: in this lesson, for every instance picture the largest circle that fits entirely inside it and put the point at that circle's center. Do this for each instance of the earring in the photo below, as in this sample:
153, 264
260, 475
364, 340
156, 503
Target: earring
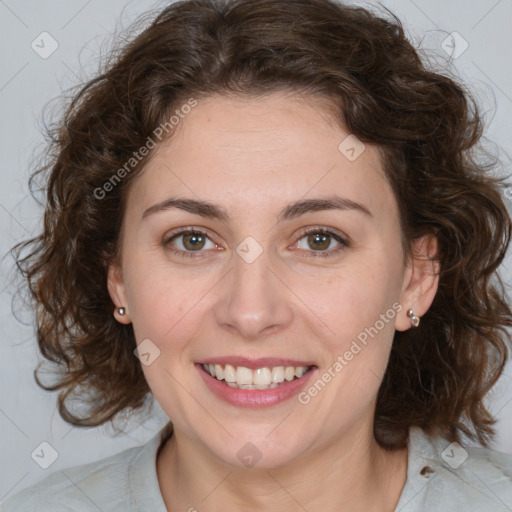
415, 320
121, 311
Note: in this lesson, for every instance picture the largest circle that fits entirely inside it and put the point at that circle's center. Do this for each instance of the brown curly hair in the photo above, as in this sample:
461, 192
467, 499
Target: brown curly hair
426, 125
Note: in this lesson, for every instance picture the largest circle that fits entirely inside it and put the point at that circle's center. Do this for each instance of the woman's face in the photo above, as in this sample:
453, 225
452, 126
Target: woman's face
252, 292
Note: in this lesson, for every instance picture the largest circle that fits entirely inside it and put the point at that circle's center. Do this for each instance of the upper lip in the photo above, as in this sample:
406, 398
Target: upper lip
254, 364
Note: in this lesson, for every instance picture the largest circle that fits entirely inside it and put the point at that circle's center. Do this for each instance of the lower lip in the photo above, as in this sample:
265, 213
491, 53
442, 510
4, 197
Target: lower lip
255, 398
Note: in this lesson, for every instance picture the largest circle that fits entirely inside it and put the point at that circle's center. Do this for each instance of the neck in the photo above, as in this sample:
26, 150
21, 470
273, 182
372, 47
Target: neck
354, 473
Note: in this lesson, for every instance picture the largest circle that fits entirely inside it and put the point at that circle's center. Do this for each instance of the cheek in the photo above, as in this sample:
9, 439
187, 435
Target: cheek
353, 300
359, 307
166, 302
150, 293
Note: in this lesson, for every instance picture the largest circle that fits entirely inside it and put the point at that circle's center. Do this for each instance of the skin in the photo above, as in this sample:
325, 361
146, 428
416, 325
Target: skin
253, 156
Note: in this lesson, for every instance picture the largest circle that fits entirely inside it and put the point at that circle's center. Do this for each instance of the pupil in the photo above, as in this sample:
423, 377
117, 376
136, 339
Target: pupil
195, 240
317, 238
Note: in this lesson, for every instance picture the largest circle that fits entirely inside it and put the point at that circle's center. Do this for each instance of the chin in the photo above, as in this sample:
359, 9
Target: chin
256, 448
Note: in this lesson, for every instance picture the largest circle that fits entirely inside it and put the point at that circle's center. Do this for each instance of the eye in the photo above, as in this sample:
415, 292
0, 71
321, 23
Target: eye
314, 242
189, 241
317, 241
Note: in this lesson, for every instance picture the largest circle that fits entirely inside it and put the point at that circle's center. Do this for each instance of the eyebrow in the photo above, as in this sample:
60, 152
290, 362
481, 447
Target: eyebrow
290, 211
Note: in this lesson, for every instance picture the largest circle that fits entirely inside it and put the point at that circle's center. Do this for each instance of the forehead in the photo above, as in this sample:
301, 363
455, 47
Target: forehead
260, 152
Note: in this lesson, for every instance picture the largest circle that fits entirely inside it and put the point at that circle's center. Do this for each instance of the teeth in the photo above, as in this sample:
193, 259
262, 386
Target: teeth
278, 374
229, 374
289, 372
261, 378
300, 371
219, 372
243, 376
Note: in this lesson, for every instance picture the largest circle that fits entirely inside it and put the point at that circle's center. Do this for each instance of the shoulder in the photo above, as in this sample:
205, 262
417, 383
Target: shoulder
77, 489
109, 485
448, 477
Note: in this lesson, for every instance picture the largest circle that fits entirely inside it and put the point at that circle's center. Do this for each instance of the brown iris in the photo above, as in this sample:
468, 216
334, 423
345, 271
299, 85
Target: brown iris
193, 241
315, 239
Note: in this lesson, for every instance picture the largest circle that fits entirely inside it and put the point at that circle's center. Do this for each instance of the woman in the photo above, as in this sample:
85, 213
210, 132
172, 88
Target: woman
268, 216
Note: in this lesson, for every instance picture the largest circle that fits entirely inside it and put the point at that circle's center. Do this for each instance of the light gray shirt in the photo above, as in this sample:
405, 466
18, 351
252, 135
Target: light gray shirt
441, 477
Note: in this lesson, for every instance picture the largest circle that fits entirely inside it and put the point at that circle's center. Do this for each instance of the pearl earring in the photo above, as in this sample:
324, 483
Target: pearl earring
121, 311
415, 320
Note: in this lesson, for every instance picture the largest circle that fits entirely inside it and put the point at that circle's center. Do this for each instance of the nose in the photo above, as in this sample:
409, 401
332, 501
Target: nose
254, 300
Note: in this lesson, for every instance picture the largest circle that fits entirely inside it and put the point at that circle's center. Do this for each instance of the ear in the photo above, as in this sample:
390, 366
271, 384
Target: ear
421, 281
117, 292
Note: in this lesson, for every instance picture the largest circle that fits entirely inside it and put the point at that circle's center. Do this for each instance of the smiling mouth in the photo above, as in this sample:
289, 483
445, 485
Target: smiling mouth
261, 378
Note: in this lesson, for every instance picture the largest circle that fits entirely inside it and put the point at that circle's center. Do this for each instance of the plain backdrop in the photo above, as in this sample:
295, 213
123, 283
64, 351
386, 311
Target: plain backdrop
476, 34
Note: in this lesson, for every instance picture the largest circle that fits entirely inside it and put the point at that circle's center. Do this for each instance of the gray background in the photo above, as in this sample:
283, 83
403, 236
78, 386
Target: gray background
83, 30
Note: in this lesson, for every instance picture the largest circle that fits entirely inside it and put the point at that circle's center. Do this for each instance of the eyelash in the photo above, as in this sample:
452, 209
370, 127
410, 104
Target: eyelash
188, 231
344, 244
312, 254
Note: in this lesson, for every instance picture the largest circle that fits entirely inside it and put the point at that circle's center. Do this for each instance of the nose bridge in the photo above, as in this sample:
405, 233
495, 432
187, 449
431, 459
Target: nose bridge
254, 301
